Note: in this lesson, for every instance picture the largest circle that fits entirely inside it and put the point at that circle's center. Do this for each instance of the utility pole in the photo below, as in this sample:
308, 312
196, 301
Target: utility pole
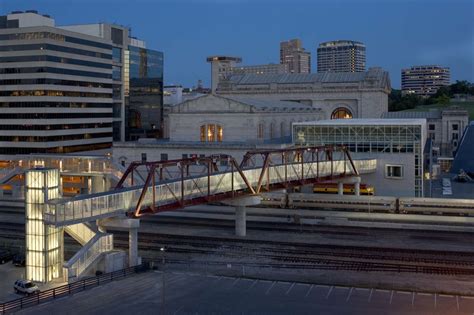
162, 249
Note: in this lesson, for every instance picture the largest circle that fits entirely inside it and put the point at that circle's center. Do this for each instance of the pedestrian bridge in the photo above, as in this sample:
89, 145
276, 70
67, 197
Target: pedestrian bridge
179, 183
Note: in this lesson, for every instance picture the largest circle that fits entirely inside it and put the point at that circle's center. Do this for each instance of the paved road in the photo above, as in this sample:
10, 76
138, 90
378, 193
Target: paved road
8, 275
198, 294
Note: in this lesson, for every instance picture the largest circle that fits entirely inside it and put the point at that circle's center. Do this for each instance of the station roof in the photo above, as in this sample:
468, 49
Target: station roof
373, 75
432, 114
363, 122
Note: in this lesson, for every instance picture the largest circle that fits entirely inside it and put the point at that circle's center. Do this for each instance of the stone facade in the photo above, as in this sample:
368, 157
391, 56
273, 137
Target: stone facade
364, 94
241, 119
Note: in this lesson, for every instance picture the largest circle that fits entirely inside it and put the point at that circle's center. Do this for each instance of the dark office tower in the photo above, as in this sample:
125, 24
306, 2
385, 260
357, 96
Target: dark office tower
341, 56
56, 87
295, 57
137, 82
144, 93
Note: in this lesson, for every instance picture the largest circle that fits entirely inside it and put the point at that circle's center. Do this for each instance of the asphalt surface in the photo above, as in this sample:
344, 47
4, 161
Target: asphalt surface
187, 293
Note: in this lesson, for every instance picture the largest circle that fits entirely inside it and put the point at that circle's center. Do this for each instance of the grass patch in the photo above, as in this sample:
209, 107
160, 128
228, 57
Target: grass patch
469, 106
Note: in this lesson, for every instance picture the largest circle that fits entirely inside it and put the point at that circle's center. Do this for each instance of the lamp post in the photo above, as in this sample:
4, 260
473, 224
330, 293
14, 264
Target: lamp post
163, 250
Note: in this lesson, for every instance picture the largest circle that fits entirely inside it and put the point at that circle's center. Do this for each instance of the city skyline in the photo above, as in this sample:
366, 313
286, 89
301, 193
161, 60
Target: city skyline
413, 34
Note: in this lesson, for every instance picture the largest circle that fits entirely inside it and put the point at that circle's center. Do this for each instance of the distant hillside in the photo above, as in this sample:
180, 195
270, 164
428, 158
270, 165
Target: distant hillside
469, 106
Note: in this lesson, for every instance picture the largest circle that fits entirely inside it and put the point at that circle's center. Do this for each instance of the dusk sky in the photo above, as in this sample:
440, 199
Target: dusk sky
397, 33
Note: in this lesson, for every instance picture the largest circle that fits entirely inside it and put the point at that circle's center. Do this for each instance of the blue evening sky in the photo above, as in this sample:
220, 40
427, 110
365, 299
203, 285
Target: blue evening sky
397, 33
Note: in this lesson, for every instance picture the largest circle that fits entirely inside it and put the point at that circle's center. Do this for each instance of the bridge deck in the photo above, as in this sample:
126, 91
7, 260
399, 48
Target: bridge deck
199, 189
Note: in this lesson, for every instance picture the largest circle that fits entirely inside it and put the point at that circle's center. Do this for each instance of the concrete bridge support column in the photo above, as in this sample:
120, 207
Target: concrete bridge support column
132, 247
240, 221
357, 186
132, 226
241, 211
340, 188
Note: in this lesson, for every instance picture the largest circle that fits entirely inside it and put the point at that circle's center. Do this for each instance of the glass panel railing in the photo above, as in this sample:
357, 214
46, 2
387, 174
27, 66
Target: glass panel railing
88, 208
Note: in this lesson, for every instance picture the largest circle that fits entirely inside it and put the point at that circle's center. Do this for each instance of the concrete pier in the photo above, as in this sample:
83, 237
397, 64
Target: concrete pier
132, 226
241, 212
240, 221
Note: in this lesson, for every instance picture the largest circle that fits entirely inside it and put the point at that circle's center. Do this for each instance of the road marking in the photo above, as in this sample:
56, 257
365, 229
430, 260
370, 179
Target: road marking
403, 292
253, 284
424, 294
268, 291
381, 290
457, 302
288, 291
370, 295
391, 297
468, 297
309, 290
235, 282
445, 295
330, 290
349, 295
179, 309
413, 299
435, 300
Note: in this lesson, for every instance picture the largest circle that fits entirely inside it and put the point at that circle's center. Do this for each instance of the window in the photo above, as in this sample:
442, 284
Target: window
164, 157
143, 157
432, 127
211, 133
455, 135
455, 126
272, 130
341, 113
394, 171
260, 131
184, 156
282, 129
432, 136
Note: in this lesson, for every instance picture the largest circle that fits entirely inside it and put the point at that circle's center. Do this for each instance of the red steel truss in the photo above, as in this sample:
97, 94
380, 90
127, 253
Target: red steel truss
172, 171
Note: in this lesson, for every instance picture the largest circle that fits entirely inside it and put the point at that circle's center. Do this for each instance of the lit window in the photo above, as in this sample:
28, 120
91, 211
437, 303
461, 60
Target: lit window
394, 171
341, 113
211, 133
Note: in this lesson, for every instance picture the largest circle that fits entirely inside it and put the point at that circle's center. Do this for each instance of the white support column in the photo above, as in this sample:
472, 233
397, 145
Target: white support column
132, 226
340, 188
133, 247
240, 221
241, 211
357, 186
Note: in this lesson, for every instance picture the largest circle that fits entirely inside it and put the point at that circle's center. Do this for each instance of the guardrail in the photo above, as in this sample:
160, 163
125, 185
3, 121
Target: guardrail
68, 289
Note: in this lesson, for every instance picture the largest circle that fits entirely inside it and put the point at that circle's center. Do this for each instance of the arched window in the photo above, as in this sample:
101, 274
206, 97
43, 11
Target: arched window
341, 113
282, 129
260, 131
272, 130
211, 133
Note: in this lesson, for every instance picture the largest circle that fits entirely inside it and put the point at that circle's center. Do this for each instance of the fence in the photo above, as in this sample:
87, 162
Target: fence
68, 289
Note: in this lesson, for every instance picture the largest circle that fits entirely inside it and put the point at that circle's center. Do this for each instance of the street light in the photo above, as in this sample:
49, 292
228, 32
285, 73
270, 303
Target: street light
163, 250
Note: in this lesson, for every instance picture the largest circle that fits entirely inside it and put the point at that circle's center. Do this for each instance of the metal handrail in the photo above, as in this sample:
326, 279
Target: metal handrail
78, 286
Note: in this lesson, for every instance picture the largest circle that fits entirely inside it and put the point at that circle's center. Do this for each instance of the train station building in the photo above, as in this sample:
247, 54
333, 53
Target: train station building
397, 144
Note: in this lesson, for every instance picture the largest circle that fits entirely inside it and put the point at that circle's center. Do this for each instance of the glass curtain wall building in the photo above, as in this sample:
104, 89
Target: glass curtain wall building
397, 144
143, 86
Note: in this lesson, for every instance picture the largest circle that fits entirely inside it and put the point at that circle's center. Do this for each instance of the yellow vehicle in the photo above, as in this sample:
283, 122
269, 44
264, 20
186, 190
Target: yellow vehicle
349, 189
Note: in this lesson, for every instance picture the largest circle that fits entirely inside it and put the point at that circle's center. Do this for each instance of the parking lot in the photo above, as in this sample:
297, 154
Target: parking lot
8, 275
187, 293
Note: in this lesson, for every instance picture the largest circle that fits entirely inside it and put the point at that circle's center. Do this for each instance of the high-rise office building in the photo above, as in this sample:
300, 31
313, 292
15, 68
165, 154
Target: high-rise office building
56, 87
297, 59
137, 82
341, 56
424, 80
